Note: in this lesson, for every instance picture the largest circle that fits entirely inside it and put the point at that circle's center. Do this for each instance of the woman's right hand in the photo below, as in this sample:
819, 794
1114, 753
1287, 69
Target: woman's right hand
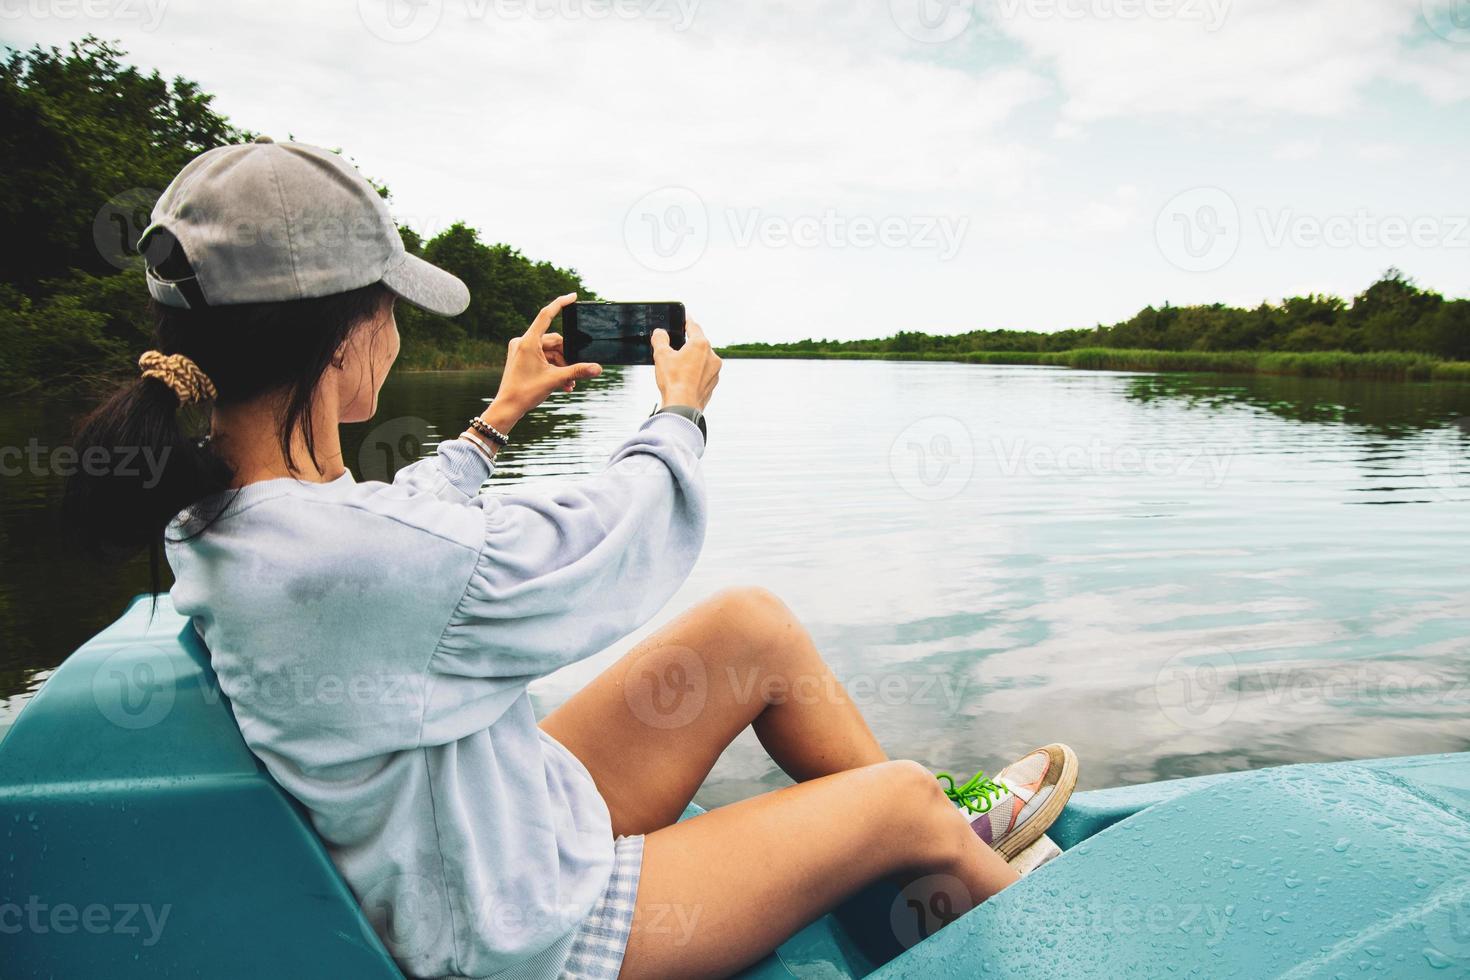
686, 376
534, 368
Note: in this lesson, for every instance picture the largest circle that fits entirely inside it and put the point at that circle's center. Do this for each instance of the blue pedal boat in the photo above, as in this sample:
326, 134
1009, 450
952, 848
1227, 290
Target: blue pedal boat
142, 839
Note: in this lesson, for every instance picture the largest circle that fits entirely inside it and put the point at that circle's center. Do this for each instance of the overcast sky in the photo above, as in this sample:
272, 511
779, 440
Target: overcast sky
851, 169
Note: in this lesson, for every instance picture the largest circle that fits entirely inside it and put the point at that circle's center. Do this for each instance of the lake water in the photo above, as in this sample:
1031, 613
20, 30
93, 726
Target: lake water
1177, 574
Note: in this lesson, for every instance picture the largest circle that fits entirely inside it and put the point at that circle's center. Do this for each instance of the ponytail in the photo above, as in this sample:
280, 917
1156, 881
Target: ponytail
146, 455
142, 463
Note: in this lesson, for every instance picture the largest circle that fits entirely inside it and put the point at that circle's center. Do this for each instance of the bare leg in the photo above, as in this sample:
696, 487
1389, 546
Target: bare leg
651, 726
722, 890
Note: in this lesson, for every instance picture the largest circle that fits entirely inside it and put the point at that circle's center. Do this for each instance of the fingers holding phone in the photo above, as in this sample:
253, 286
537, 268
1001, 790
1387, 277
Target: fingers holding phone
688, 375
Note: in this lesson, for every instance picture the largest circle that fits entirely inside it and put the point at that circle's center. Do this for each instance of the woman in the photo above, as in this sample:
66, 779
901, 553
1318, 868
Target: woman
376, 640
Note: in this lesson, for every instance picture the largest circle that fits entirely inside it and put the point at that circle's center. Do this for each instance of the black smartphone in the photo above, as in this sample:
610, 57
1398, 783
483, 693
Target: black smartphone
618, 333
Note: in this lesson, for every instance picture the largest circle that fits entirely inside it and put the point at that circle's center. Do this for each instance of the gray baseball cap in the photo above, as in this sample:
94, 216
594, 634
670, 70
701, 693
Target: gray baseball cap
266, 222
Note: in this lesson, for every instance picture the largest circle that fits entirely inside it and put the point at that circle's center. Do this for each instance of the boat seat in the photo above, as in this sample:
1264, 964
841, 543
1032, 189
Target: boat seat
144, 840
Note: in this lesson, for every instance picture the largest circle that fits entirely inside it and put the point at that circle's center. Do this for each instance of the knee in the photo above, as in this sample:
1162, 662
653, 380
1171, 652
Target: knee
913, 783
751, 604
758, 615
934, 828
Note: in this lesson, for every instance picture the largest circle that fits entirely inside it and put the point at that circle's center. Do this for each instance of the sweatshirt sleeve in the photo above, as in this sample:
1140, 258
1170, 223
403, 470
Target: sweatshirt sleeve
455, 473
563, 573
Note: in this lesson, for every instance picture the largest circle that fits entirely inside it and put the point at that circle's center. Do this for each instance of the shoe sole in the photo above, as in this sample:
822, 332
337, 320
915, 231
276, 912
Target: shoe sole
1041, 821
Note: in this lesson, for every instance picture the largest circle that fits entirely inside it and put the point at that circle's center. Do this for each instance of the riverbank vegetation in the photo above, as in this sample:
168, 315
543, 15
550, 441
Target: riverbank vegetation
1393, 330
89, 143
1380, 366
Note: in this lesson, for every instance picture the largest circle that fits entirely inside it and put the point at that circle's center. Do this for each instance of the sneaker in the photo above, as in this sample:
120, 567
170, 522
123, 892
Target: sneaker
1013, 810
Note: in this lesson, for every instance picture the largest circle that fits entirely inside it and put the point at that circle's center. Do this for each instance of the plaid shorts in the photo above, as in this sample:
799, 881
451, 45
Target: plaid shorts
601, 939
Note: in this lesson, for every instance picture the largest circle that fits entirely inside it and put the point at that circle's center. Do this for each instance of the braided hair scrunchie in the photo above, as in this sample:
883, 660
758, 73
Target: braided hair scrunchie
180, 373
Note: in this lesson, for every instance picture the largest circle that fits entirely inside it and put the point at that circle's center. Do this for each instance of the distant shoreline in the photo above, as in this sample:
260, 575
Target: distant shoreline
1342, 365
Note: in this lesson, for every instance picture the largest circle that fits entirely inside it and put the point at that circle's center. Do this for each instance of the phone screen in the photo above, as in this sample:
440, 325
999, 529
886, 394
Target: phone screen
618, 333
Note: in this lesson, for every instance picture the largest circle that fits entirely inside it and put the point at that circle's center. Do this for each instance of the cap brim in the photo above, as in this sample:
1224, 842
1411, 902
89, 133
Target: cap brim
427, 286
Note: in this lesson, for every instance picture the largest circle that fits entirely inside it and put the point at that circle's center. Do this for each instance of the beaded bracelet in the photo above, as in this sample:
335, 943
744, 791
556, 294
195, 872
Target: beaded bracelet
489, 431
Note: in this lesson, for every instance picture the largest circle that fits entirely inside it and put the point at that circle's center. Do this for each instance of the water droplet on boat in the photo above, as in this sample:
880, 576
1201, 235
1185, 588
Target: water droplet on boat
1437, 959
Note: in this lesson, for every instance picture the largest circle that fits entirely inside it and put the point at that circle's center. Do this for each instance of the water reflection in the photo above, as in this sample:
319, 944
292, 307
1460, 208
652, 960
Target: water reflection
1174, 573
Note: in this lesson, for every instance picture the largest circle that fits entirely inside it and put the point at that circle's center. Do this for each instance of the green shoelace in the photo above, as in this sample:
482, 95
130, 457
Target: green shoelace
977, 795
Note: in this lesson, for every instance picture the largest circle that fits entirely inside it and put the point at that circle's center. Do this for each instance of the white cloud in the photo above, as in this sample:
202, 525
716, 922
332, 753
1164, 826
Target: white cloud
1306, 57
1297, 150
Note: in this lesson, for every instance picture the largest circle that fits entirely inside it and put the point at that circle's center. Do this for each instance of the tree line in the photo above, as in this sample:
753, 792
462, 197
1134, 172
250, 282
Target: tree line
1393, 314
89, 142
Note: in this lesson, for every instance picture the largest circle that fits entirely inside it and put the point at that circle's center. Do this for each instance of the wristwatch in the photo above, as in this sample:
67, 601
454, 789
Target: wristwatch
692, 414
